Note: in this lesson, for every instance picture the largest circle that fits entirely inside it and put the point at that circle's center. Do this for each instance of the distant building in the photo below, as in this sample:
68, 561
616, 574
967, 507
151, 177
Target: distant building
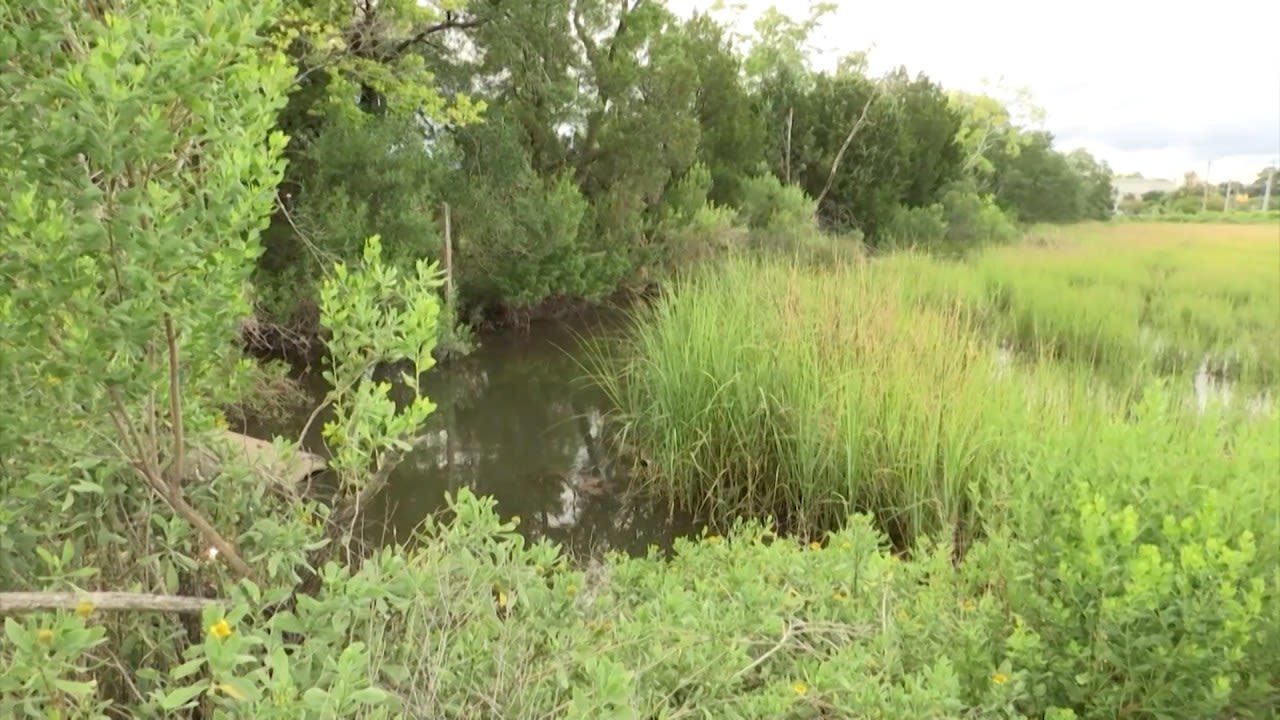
1138, 187
1126, 187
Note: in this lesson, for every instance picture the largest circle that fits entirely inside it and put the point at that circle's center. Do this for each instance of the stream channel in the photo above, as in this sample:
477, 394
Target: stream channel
516, 419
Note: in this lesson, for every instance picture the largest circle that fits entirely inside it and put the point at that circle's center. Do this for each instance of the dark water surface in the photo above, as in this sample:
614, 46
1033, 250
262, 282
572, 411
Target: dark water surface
517, 420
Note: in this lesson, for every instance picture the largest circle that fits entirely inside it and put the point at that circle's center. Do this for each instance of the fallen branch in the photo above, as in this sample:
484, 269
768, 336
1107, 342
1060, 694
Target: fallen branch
19, 602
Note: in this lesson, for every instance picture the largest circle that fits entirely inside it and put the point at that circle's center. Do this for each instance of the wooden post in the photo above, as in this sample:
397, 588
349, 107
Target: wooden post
1266, 195
448, 255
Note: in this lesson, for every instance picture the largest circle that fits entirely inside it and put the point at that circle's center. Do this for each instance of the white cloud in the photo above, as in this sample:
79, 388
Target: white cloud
1153, 87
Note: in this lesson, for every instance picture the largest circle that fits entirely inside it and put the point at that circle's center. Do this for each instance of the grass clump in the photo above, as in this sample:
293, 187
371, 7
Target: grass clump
766, 387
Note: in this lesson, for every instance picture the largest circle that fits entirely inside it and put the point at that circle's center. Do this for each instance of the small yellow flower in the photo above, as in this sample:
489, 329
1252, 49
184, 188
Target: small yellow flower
44, 635
515, 521
502, 599
901, 615
840, 596
846, 545
220, 629
220, 422
84, 608
571, 590
799, 688
968, 605
815, 545
713, 539
792, 591
999, 678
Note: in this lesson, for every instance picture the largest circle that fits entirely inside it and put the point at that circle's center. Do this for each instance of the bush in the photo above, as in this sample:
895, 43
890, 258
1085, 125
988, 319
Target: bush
974, 219
911, 227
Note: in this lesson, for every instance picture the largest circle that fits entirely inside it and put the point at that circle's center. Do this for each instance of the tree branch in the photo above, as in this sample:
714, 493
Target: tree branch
177, 472
450, 23
171, 493
848, 140
12, 603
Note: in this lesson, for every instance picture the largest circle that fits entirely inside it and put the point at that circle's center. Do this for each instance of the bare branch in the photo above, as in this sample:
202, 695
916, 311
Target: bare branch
171, 493
175, 403
12, 603
848, 140
451, 22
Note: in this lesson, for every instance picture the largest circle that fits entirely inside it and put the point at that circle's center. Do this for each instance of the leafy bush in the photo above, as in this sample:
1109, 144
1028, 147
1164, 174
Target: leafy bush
974, 219
919, 226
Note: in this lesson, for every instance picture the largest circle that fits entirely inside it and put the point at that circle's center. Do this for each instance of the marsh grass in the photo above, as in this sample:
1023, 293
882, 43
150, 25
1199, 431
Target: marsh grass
774, 388
766, 388
1129, 302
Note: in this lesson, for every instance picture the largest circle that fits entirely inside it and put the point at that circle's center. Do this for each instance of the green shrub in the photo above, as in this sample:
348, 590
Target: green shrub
973, 219
911, 227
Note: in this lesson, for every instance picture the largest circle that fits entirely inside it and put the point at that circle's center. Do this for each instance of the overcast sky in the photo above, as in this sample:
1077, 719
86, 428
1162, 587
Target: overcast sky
1153, 87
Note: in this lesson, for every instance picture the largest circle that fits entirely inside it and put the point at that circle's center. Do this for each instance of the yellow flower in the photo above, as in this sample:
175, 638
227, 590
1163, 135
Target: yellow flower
571, 590
968, 605
44, 635
502, 599
999, 678
840, 596
220, 629
815, 545
230, 691
846, 545
713, 539
792, 591
84, 608
901, 614
799, 688
220, 422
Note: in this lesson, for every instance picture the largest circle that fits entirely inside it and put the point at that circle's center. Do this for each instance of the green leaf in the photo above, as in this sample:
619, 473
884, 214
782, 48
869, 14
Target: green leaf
370, 696
182, 697
74, 688
287, 622
187, 668
315, 698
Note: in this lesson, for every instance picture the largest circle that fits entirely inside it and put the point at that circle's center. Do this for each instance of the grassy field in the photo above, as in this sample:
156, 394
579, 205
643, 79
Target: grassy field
1032, 410
1128, 301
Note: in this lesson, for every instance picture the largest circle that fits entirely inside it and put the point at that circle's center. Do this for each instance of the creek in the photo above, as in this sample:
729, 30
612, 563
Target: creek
516, 419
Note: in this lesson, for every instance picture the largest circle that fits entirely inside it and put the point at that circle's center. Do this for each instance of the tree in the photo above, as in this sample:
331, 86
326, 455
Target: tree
732, 129
930, 127
1097, 192
137, 189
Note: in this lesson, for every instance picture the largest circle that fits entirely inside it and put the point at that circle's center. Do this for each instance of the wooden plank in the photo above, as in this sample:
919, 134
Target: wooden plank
12, 603
261, 456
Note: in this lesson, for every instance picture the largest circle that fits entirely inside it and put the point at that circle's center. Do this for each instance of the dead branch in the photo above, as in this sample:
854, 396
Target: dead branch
171, 493
12, 603
848, 140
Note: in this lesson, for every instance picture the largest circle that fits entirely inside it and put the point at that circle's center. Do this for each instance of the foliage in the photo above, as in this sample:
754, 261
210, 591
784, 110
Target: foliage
342, 199
136, 196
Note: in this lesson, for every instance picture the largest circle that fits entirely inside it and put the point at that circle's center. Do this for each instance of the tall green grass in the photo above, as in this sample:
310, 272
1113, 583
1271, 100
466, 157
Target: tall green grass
764, 387
1130, 302
769, 388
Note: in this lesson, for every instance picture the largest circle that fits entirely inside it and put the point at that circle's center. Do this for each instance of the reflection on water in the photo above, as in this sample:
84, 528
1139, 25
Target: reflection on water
1211, 388
516, 420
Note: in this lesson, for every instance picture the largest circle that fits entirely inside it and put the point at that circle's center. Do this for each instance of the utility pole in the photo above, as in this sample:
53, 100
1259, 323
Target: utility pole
1266, 195
1226, 198
1204, 204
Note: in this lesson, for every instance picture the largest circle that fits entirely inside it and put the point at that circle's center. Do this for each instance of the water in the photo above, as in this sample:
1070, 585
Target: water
517, 420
